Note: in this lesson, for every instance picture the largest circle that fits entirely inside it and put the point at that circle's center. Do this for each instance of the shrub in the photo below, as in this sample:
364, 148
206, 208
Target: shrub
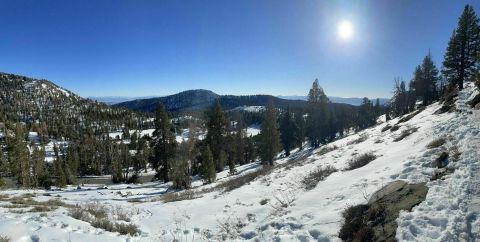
360, 161
124, 229
264, 201
405, 133
410, 116
4, 238
79, 213
239, 181
436, 143
387, 127
442, 160
326, 149
355, 226
313, 178
97, 210
395, 128
360, 139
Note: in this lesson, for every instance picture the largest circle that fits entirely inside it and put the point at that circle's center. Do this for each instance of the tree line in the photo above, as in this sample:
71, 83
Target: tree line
460, 64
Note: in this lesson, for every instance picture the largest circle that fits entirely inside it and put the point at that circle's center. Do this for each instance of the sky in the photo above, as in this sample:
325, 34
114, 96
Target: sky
277, 47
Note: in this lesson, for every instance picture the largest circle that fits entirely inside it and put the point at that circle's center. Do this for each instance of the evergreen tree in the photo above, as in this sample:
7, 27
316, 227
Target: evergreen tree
366, 113
302, 129
18, 156
399, 102
59, 168
424, 83
164, 144
461, 57
180, 172
216, 132
269, 143
207, 166
318, 120
288, 132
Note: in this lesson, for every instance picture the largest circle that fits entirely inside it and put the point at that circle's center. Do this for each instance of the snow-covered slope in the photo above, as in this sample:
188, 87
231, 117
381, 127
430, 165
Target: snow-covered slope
277, 207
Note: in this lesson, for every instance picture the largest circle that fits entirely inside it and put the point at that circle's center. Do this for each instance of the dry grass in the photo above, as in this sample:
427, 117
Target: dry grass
360, 161
4, 238
225, 186
20, 203
455, 153
314, 177
436, 143
405, 133
98, 216
327, 149
179, 196
359, 140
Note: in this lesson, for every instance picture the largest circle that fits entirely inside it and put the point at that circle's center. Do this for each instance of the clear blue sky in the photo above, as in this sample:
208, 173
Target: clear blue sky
140, 48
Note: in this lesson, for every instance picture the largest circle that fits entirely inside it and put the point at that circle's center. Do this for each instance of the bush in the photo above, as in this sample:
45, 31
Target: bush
360, 161
97, 210
355, 227
442, 160
264, 201
4, 238
124, 229
360, 139
326, 149
387, 127
405, 133
395, 128
436, 143
314, 177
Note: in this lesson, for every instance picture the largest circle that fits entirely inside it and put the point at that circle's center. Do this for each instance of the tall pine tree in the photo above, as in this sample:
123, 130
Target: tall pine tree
164, 144
269, 143
462, 52
216, 132
318, 120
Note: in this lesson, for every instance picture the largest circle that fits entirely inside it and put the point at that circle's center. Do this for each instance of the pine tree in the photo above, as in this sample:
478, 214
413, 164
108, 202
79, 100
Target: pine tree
59, 168
216, 133
288, 132
18, 157
318, 120
180, 172
463, 48
399, 103
366, 113
424, 83
269, 143
300, 123
207, 167
164, 144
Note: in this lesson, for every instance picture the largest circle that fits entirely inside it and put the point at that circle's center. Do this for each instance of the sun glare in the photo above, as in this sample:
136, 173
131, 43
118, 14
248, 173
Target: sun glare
345, 30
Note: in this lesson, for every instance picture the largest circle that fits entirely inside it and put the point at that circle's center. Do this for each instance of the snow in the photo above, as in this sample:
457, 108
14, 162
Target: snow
252, 109
449, 213
253, 130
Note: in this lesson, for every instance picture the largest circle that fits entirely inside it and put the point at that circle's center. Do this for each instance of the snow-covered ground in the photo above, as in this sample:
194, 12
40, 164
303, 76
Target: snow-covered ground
276, 207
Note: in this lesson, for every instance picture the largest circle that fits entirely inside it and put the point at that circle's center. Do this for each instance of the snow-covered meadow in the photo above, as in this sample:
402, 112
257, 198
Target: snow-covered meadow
276, 206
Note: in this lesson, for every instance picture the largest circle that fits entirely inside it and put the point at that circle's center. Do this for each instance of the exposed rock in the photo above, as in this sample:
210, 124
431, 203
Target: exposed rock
375, 221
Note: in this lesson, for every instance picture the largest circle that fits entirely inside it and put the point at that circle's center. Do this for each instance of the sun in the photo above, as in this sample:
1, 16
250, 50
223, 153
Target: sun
345, 30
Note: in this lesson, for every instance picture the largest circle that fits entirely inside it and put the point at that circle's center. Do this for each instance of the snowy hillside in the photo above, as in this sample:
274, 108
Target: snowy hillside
278, 205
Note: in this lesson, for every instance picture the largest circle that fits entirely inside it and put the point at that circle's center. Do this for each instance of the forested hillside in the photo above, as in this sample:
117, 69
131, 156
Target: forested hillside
53, 111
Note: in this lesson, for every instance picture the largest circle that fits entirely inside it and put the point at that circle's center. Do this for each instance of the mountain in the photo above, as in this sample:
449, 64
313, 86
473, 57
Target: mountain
111, 100
356, 101
55, 110
194, 100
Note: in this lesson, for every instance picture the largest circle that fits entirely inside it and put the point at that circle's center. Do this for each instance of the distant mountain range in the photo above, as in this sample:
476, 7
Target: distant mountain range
356, 101
194, 100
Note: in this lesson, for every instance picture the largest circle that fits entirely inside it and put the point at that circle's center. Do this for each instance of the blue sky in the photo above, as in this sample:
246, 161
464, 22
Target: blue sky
278, 47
